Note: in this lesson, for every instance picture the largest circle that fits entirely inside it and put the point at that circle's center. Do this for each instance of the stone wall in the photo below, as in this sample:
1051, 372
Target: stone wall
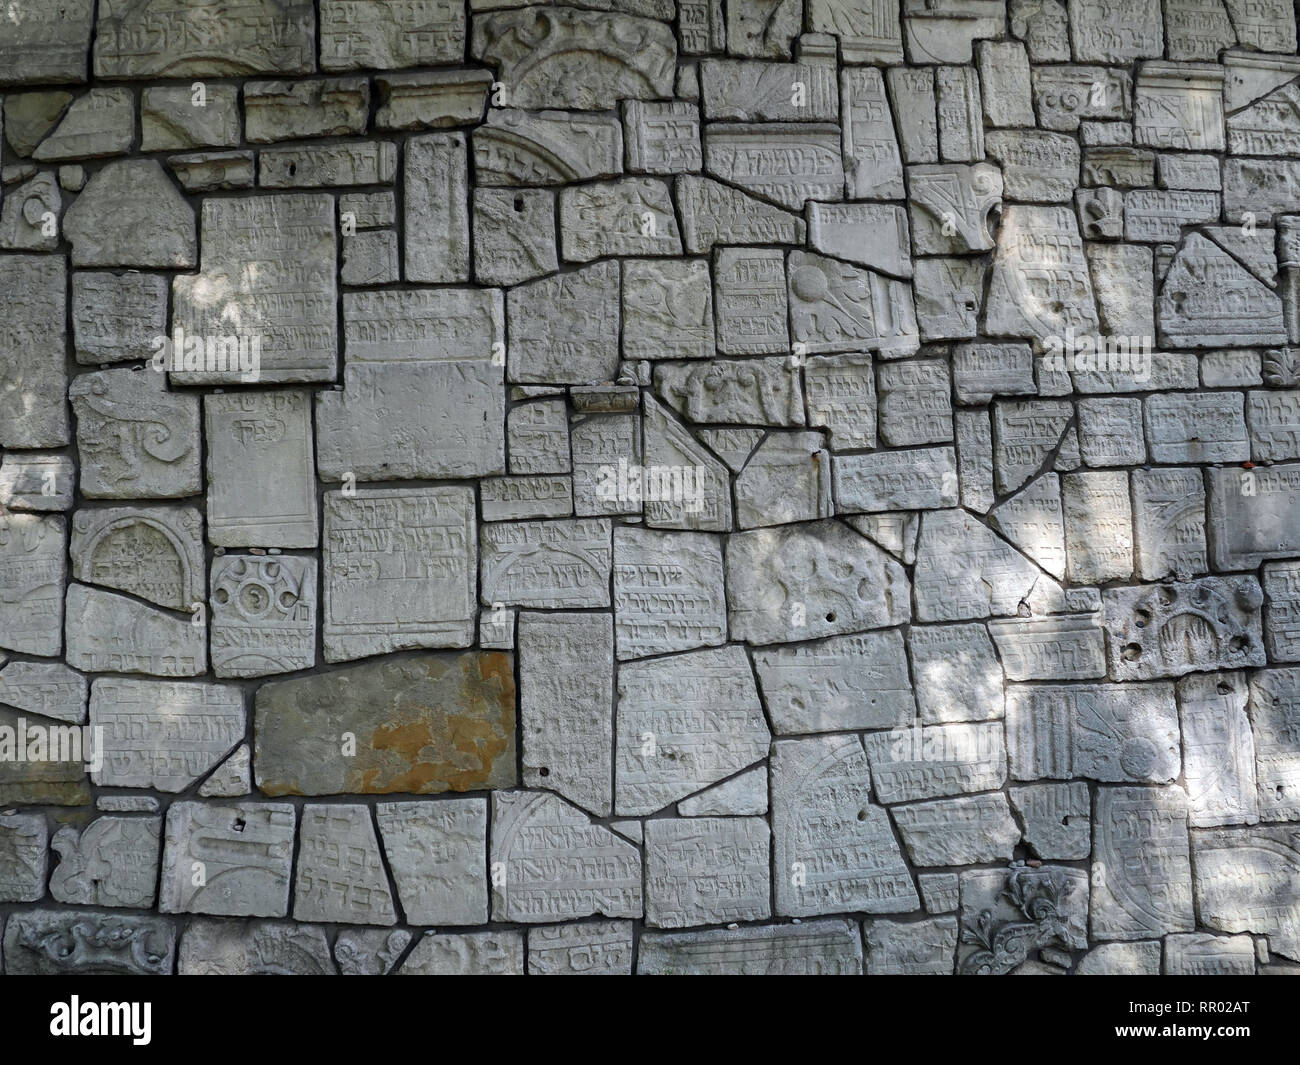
650, 485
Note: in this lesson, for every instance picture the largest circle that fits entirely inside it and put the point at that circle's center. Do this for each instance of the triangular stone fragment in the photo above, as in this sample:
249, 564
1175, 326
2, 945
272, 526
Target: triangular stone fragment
1210, 300
733, 445
1032, 520
668, 445
1257, 249
1027, 433
232, 778
715, 213
743, 794
964, 571
895, 531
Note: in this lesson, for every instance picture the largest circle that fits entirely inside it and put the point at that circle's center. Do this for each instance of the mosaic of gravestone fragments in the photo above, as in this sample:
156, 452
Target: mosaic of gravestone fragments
657, 486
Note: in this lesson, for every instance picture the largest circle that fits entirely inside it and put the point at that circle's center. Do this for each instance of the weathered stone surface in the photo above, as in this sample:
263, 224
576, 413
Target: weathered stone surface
33, 568
1245, 881
286, 302
1253, 515
958, 676
1281, 581
630, 216
263, 614
964, 571
917, 479
110, 633
102, 122
928, 763
950, 206
113, 861
915, 948
415, 545
291, 110
369, 951
31, 350
1108, 732
155, 553
564, 329
961, 831
1170, 629
46, 44
555, 864
437, 208
1009, 912
872, 162
1200, 954
130, 214
158, 38
30, 218
597, 948
515, 147
846, 682
514, 235
536, 51
801, 582
714, 213
745, 793
1037, 165
566, 713
1274, 703
422, 724
421, 363
340, 163
684, 722
232, 779
163, 735
667, 592
244, 852
340, 876
24, 856
815, 947
914, 402
1218, 750
172, 119
1098, 526
115, 317
1121, 959
432, 100
209, 171
248, 948
563, 563
1141, 874
82, 943
757, 158
58, 778
707, 870
468, 954
49, 689
1056, 819
667, 310
135, 439
1040, 284
437, 852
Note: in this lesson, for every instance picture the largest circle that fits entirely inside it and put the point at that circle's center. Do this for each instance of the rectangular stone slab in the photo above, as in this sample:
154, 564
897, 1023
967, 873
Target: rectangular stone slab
422, 724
